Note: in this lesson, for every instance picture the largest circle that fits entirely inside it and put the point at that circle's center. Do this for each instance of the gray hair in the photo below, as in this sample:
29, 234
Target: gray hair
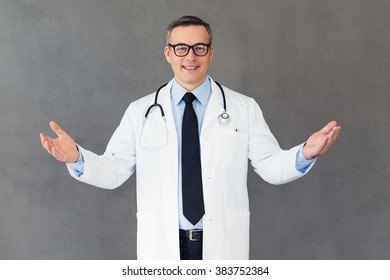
186, 21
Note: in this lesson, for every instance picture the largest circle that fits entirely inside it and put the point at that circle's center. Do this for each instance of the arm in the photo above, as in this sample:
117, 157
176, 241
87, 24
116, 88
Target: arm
278, 166
107, 171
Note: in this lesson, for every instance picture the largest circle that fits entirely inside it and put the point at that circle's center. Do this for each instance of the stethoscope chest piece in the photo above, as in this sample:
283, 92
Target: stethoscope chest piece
224, 118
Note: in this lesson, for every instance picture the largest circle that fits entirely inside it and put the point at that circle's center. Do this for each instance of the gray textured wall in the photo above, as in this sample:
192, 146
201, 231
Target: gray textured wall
306, 62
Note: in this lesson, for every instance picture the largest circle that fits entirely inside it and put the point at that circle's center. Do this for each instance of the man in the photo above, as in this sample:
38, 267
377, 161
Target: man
192, 200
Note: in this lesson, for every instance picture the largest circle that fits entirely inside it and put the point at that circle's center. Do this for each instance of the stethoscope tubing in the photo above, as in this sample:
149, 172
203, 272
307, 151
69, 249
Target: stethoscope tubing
156, 104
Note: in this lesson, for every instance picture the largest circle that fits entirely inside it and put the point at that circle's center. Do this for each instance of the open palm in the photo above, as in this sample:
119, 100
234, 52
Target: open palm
320, 141
62, 148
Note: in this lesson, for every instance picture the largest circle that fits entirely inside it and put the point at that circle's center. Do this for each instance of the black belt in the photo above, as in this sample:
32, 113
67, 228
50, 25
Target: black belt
192, 234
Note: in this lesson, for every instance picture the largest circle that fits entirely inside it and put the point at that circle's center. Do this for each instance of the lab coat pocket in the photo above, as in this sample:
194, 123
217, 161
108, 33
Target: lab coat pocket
145, 232
237, 233
232, 148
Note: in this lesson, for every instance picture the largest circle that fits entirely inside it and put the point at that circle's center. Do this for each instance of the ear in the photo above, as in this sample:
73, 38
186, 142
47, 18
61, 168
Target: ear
167, 53
211, 53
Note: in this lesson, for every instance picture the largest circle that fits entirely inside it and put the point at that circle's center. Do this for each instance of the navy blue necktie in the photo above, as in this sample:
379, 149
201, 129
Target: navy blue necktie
192, 190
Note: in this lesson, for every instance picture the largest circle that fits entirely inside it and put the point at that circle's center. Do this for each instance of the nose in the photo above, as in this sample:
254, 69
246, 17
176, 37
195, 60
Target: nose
191, 55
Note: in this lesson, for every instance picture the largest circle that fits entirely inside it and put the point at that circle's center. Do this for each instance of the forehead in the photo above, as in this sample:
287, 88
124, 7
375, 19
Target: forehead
189, 35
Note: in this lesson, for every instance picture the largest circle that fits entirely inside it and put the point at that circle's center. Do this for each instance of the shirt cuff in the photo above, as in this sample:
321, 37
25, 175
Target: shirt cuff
77, 167
301, 163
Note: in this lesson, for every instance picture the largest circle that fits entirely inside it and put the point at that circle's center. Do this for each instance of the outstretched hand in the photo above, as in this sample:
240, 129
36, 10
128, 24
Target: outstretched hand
320, 141
62, 148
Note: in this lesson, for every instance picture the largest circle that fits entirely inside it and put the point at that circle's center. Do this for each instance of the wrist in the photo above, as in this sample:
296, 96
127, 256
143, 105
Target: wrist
306, 154
76, 156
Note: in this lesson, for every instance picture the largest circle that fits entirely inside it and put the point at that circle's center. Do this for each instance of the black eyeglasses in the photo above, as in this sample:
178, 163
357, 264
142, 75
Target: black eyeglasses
183, 49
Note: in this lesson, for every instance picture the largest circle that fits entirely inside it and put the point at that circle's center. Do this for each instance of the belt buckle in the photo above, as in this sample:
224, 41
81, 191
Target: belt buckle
190, 235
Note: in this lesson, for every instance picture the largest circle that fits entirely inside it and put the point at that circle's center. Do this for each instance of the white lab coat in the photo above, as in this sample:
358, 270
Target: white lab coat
225, 150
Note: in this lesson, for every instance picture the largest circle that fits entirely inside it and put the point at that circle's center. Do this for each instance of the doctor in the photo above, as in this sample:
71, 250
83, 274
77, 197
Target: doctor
192, 199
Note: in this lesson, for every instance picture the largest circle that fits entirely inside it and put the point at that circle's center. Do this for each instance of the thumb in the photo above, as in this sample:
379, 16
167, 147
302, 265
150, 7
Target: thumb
57, 129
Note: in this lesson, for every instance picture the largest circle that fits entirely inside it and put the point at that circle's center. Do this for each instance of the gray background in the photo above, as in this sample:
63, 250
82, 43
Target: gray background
306, 62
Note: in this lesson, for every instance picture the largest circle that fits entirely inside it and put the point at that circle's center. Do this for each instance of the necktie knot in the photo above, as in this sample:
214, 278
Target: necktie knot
189, 97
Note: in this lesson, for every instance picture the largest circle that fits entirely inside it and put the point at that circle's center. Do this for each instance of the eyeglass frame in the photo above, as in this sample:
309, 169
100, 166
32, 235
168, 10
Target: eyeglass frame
189, 48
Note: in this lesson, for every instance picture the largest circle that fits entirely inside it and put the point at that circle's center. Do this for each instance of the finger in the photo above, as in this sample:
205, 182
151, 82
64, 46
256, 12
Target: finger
57, 129
328, 145
44, 138
48, 147
331, 135
335, 133
328, 128
338, 130
322, 145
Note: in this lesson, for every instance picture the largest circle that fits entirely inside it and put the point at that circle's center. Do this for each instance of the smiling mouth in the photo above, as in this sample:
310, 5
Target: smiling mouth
190, 67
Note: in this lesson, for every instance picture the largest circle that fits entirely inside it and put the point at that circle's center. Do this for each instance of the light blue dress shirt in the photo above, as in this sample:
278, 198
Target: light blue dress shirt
202, 94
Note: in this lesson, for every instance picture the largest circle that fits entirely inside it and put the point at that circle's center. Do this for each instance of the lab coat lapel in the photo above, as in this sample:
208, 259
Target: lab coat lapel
215, 106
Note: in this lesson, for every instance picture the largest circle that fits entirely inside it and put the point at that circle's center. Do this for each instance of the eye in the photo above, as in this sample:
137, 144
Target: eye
181, 48
200, 48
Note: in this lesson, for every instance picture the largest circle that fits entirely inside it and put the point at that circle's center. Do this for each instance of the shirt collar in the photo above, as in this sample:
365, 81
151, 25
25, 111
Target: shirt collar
202, 92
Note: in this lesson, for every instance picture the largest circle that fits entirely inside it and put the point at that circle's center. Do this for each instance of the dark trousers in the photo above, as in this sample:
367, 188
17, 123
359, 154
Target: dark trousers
191, 244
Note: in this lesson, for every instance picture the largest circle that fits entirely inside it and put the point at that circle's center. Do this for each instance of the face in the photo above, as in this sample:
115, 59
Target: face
190, 71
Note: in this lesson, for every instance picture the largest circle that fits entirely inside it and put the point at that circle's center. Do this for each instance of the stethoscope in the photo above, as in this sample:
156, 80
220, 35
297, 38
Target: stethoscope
224, 118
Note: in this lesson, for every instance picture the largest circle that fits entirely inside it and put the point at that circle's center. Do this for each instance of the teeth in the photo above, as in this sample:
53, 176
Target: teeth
190, 67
